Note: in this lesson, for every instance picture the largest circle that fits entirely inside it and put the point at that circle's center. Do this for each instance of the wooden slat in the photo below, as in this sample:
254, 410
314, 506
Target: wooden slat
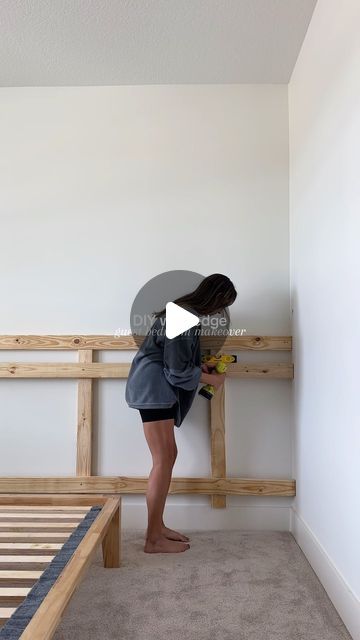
218, 456
29, 548
108, 342
41, 517
6, 613
24, 559
39, 526
128, 485
44, 509
21, 561
12, 596
84, 424
51, 500
47, 617
18, 578
33, 536
121, 370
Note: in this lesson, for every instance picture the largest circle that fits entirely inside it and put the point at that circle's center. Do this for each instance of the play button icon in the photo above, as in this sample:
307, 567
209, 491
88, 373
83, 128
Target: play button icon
178, 320
154, 296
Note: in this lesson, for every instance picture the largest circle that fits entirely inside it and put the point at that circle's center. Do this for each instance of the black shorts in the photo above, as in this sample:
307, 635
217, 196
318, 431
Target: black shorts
151, 415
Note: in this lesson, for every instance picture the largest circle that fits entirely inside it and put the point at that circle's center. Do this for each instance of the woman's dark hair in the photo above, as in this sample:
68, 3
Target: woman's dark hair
212, 295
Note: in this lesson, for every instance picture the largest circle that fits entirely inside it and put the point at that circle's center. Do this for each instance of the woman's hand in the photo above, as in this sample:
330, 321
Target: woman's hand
208, 366
218, 379
210, 376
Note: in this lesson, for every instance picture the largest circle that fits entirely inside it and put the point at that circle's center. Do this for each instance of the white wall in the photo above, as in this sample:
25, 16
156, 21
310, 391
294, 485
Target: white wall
102, 189
324, 107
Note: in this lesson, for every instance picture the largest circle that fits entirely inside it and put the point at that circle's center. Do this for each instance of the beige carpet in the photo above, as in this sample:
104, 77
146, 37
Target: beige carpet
230, 585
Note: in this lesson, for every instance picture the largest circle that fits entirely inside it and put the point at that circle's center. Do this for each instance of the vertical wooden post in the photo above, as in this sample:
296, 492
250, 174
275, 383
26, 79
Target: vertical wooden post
218, 454
111, 541
84, 424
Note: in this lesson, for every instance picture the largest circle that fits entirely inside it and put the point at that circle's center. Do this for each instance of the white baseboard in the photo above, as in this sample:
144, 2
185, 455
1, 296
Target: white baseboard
344, 600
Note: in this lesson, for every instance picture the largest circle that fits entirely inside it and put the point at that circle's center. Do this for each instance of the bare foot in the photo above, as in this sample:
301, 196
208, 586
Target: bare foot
173, 535
164, 545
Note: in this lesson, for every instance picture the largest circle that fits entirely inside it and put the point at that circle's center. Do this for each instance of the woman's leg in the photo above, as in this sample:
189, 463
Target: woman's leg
161, 440
171, 533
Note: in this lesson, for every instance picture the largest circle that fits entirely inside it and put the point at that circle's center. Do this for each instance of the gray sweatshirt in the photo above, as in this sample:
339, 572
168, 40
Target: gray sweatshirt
165, 371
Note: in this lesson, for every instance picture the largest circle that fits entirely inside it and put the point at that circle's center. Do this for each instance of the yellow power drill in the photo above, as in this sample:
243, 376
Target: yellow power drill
221, 361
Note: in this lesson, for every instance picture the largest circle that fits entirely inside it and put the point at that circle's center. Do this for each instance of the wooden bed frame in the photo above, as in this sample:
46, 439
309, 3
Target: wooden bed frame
33, 529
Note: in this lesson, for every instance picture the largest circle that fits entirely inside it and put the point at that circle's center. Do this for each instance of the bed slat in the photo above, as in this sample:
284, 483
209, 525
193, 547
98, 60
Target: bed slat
29, 548
40, 526
10, 578
30, 562
5, 613
36, 536
41, 517
12, 596
43, 509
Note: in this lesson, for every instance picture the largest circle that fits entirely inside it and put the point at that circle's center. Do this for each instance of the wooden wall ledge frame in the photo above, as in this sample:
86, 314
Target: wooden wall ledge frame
218, 486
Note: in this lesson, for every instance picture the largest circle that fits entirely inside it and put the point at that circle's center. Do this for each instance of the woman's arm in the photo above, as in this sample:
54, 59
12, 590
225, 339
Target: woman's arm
179, 368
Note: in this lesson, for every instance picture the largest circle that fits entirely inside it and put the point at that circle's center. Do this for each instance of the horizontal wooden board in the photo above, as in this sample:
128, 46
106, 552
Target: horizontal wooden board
262, 370
63, 370
128, 485
111, 342
121, 370
247, 343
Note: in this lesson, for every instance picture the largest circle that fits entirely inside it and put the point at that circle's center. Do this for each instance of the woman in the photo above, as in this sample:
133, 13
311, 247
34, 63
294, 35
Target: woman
162, 384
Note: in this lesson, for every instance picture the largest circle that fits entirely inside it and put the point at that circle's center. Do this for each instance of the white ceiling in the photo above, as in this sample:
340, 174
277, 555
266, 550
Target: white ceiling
114, 42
